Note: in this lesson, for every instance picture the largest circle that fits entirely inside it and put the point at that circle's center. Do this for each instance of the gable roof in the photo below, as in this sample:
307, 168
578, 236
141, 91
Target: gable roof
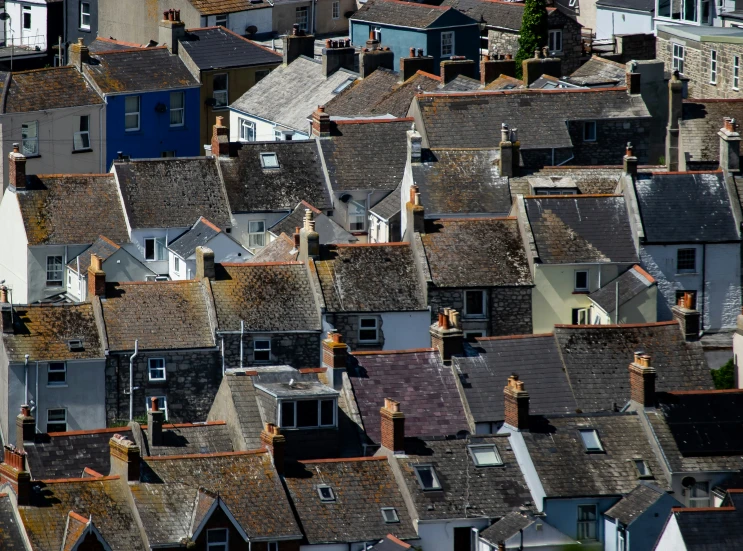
598, 71
389, 206
102, 247
217, 48
329, 231
704, 529
199, 235
237, 387
701, 120
635, 503
43, 89
71, 209
627, 286
280, 249
462, 83
398, 13
11, 538
503, 15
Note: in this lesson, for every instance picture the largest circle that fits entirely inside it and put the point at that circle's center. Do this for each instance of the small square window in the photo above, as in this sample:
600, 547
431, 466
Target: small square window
555, 41
485, 455
269, 160
389, 514
686, 261
325, 493
221, 20
56, 420
643, 471
447, 43
591, 440
581, 280
474, 304
368, 331
262, 350
156, 368
85, 15
56, 374
589, 131
427, 477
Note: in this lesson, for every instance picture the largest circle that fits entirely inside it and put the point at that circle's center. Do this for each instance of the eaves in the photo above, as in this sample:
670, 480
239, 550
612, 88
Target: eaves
76, 107
140, 92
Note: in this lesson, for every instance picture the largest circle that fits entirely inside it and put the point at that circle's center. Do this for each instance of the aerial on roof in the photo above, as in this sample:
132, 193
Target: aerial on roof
42, 89
599, 71
635, 503
622, 289
219, 48
102, 247
701, 120
329, 231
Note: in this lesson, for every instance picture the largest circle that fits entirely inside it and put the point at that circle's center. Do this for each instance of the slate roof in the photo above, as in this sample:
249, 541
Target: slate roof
199, 235
506, 527
475, 252
712, 529
503, 15
161, 315
11, 538
588, 179
43, 330
71, 209
217, 7
370, 278
504, 82
362, 486
138, 70
389, 206
461, 83
169, 193
280, 249
700, 122
599, 71
366, 154
267, 297
251, 188
490, 361
289, 94
43, 89
635, 503
467, 119
102, 247
329, 231
189, 438
567, 470
637, 5
597, 359
103, 44
461, 181
400, 14
467, 491
248, 424
686, 208
631, 283
423, 385
219, 48
580, 228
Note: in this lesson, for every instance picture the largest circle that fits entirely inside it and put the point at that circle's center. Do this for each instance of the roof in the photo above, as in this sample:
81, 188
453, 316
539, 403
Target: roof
366, 154
407, 14
138, 70
248, 423
71, 209
504, 15
289, 94
43, 331
217, 7
462, 83
280, 249
700, 122
489, 362
189, 438
251, 188
462, 181
599, 71
467, 119
467, 491
504, 82
161, 315
586, 179
11, 538
635, 503
580, 228
370, 278
628, 285
508, 526
390, 543
169, 193
707, 529
43, 89
219, 48
597, 358
265, 296
635, 5
199, 235
686, 208
103, 44
723, 35
475, 252
102, 247
423, 385
329, 231
389, 206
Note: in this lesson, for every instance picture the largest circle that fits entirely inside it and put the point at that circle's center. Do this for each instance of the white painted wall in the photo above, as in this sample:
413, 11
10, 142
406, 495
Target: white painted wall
240, 230
379, 230
641, 309
264, 130
439, 535
225, 250
36, 35
542, 536
671, 539
238, 22
406, 330
616, 21
13, 248
119, 267
137, 246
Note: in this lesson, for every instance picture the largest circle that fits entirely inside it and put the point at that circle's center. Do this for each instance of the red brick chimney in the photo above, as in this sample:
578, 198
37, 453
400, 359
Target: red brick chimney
416, 215
25, 427
447, 335
125, 456
220, 139
642, 380
393, 426
275, 443
13, 471
320, 122
17, 168
335, 357
96, 278
516, 404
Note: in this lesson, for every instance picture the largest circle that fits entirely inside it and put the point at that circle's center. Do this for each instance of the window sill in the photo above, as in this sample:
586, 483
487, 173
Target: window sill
54, 286
687, 273
157, 381
84, 30
86, 150
57, 386
33, 156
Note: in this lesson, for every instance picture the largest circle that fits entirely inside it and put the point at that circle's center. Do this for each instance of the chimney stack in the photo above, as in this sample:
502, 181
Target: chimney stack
446, 334
457, 65
642, 380
415, 214
675, 102
393, 426
96, 278
632, 79
17, 169
516, 404
630, 161
6, 315
320, 122
13, 471
373, 56
539, 65
275, 443
220, 139
729, 146
414, 63
337, 54
491, 69
171, 30
309, 239
78, 54
205, 263
414, 145
509, 146
25, 427
298, 43
125, 457
688, 317
155, 419
334, 358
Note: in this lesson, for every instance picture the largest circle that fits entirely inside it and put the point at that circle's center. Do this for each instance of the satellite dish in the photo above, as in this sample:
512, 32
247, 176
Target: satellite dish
688, 481
345, 197
4, 16
252, 29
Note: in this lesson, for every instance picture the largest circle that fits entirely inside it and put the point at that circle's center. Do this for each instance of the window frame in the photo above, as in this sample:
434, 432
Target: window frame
303, 21
395, 519
335, 9
176, 264
256, 235
268, 165
178, 110
30, 140
648, 474
678, 53
680, 261
557, 33
320, 425
162, 249
451, 46
246, 126
26, 20
736, 72
56, 268
137, 113
375, 340
587, 523
48, 412
436, 487
713, 67
83, 13
694, 500
82, 135
261, 350
592, 449
484, 303
151, 368
490, 447
324, 499
377, 34
225, 17
221, 92
63, 371
356, 220
585, 288
162, 406
588, 135
218, 545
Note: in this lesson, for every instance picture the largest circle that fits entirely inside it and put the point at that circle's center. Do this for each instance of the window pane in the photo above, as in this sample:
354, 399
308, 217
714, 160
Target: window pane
56, 373
216, 536
149, 249
485, 455
427, 478
474, 303
591, 440
220, 82
327, 410
581, 280
287, 414
131, 104
686, 260
369, 322
307, 413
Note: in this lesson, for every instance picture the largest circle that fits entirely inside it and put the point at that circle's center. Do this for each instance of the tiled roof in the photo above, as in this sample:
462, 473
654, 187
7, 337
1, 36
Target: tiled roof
170, 193
138, 70
198, 236
329, 231
391, 543
43, 89
11, 538
700, 122
423, 385
43, 330
72, 209
362, 487
597, 359
580, 228
299, 177
587, 179
635, 503
102, 247
599, 71
217, 48
399, 13
161, 315
370, 278
267, 297
630, 284
719, 528
217, 7
467, 491
103, 44
280, 249
503, 15
504, 82
189, 438
475, 252
508, 526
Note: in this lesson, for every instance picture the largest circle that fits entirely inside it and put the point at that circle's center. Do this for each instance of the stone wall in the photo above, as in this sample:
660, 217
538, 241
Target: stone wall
502, 42
294, 349
611, 137
348, 326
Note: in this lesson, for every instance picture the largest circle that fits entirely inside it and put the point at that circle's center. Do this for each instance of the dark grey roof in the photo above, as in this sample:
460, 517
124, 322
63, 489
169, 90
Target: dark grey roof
599, 71
631, 283
218, 48
686, 208
503, 15
102, 247
66, 455
637, 5
102, 44
403, 14
390, 543
506, 527
11, 538
712, 529
581, 228
462, 83
389, 206
237, 393
329, 231
635, 503
280, 249
199, 235
700, 122
184, 439
490, 361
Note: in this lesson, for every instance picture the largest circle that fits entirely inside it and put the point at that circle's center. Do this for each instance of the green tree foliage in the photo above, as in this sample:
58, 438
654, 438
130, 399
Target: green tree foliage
534, 31
724, 377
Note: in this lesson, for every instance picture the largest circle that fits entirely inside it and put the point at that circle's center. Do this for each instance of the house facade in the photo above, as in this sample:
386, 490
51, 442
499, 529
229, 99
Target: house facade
33, 29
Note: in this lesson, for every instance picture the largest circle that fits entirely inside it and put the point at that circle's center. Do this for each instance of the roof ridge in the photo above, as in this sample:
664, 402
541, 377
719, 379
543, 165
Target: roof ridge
576, 196
715, 391
618, 326
107, 240
371, 245
535, 91
643, 273
82, 479
682, 172
254, 264
388, 352
78, 517
133, 45
17, 73
204, 455
507, 337
90, 431
206, 222
441, 8
190, 425
130, 50
375, 121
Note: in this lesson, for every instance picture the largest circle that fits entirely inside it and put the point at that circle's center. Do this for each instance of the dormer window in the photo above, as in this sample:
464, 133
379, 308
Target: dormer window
591, 440
485, 455
75, 345
302, 414
427, 478
389, 514
269, 160
326, 493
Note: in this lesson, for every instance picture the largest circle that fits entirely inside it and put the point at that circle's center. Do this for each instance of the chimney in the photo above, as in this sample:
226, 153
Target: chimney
275, 443
537, 66
457, 65
337, 54
506, 163
729, 146
630, 161
25, 427
491, 69
689, 319
447, 335
393, 426
220, 139
204, 263
172, 29
320, 122
96, 278
296, 239
334, 357
155, 419
309, 239
6, 314
516, 404
17, 169
298, 43
642, 380
13, 471
632, 79
3, 294
78, 54
675, 99
414, 145
414, 63
416, 222
124, 458
372, 57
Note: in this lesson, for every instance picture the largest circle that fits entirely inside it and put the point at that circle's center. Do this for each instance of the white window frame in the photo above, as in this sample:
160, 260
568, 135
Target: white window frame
590, 131
582, 525
467, 313
159, 250
303, 21
270, 161
162, 399
436, 483
591, 449
695, 501
584, 316
736, 72
83, 15
56, 268
49, 370
336, 9
575, 286
678, 259
221, 95
81, 138
128, 115
256, 237
48, 412
640, 474
713, 67
280, 420
247, 130
30, 143
328, 498
489, 447
262, 349
393, 519
176, 264
357, 220
447, 48
678, 52
221, 545
27, 11
375, 329
555, 40
179, 112
377, 34
156, 367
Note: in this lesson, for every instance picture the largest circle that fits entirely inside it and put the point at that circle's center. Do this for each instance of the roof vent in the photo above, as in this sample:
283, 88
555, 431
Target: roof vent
75, 345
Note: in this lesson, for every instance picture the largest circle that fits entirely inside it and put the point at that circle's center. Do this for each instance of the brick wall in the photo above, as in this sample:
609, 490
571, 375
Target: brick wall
611, 136
294, 349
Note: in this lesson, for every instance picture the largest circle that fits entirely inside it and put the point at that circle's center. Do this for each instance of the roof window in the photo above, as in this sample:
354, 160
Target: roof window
269, 160
75, 345
591, 440
427, 477
643, 470
325, 492
343, 85
485, 455
389, 514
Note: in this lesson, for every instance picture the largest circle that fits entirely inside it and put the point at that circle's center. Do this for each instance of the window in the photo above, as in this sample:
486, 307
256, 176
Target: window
177, 108
260, 75
221, 20
470, 336
30, 138
678, 58
485, 455
686, 261
156, 369
621, 544
589, 131
586, 522
336, 9
247, 130
217, 539
308, 413
26, 17
368, 331
427, 477
176, 264
356, 216
581, 280
167, 154
219, 92
474, 304
447, 44
56, 420
326, 493
54, 271
287, 414
85, 15
81, 139
591, 440
56, 374
256, 234
262, 350
274, 546
736, 72
377, 34
154, 248
162, 404
131, 113
581, 316
301, 18
389, 514
269, 160
713, 67
555, 41
643, 471
699, 495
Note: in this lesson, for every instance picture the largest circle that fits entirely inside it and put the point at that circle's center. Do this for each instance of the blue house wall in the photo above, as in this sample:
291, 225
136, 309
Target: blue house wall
563, 514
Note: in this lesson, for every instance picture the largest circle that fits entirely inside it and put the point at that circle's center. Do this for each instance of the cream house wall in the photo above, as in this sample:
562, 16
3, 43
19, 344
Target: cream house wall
640, 309
13, 248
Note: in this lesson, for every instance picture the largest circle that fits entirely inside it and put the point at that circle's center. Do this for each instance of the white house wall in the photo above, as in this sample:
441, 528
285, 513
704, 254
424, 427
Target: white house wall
238, 22
264, 130
439, 536
405, 330
225, 250
36, 35
137, 246
616, 21
671, 539
13, 248
37, 288
240, 231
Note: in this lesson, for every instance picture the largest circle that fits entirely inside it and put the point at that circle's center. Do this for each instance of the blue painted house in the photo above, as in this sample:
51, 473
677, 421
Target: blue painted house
440, 31
152, 99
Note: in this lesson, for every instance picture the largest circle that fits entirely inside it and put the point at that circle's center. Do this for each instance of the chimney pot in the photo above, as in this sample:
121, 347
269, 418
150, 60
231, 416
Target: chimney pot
155, 419
296, 238
335, 358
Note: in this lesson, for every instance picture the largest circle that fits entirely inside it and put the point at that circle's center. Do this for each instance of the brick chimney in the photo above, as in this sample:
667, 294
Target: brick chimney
275, 443
415, 214
220, 139
335, 358
155, 419
320, 122
414, 63
171, 30
630, 161
729, 145
204, 263
632, 79
642, 380
491, 68
96, 278
446, 334
298, 43
373, 56
689, 318
16, 168
457, 65
125, 458
337, 54
13, 471
675, 101
309, 239
78, 54
393, 426
25, 427
516, 404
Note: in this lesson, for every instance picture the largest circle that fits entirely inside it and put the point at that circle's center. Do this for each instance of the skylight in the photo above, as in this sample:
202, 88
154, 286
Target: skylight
390, 515
269, 160
326, 493
485, 455
643, 471
427, 477
343, 85
591, 440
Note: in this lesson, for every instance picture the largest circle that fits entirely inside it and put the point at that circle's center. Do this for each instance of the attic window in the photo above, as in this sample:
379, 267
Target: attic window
485, 455
343, 85
389, 514
643, 470
75, 345
326, 493
427, 477
591, 440
269, 160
